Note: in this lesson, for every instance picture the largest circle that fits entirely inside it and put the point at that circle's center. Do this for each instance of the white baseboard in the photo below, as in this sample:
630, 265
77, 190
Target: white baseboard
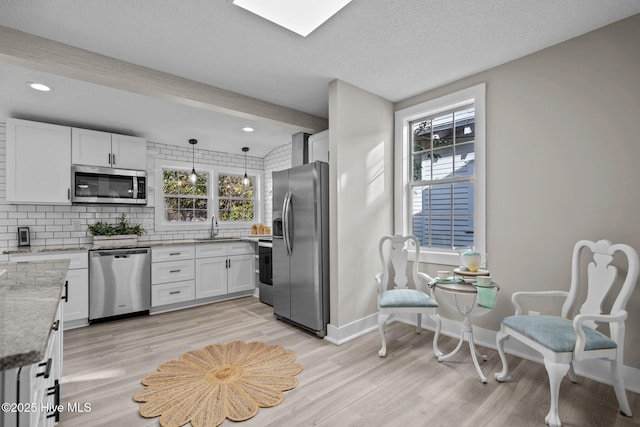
597, 370
351, 330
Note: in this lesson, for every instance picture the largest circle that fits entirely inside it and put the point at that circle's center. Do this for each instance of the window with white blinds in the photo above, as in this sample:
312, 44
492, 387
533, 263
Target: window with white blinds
440, 174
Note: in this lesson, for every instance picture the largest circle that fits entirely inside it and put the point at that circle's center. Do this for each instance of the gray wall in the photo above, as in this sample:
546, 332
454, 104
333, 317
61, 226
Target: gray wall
361, 197
562, 161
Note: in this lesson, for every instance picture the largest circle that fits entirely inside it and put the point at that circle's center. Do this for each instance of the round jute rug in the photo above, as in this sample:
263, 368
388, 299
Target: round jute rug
220, 381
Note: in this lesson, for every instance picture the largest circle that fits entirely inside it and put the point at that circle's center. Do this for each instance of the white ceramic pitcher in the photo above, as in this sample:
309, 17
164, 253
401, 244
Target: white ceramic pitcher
472, 260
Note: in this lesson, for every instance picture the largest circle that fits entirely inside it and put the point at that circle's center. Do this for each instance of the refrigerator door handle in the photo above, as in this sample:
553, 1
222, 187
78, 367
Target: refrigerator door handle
286, 206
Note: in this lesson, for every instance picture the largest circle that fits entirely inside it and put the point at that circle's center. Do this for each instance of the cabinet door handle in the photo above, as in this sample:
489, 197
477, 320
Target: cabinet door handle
113, 159
47, 369
68, 194
65, 297
109, 158
175, 271
174, 292
56, 325
55, 391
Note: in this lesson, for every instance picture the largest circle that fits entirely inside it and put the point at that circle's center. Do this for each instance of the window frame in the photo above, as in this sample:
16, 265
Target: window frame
403, 167
228, 170
212, 195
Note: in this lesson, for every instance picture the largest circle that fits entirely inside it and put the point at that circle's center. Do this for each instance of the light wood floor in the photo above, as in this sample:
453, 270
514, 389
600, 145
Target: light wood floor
346, 385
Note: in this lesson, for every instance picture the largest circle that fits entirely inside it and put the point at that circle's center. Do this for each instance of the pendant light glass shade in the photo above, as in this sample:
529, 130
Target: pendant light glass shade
245, 180
193, 176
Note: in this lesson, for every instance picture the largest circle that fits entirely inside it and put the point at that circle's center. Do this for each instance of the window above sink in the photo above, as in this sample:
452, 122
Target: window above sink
218, 190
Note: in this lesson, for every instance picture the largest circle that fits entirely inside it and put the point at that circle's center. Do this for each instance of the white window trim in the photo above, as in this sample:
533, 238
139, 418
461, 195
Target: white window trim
402, 200
229, 170
212, 195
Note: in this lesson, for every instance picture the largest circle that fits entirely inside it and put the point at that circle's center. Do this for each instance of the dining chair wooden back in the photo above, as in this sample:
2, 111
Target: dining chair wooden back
561, 340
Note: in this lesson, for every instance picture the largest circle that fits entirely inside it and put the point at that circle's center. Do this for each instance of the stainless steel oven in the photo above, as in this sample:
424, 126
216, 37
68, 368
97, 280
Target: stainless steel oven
266, 273
93, 184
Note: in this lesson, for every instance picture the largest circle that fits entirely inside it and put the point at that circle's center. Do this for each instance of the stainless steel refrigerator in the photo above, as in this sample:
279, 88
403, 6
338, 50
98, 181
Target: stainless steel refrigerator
301, 246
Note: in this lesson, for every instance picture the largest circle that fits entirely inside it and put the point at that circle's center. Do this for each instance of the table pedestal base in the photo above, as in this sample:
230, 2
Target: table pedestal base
467, 332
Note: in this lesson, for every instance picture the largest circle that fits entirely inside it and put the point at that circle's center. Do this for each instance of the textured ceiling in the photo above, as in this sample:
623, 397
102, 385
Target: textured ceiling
392, 48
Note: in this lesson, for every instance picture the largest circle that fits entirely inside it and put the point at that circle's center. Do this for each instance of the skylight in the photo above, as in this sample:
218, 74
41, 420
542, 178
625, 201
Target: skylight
299, 16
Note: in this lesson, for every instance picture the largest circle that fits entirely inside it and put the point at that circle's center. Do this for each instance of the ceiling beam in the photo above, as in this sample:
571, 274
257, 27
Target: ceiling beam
49, 56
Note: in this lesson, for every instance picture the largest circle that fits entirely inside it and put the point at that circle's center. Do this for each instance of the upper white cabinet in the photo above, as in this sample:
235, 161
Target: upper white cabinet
130, 152
95, 148
318, 144
38, 163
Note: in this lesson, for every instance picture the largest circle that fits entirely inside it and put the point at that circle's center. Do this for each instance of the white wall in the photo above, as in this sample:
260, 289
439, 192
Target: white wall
361, 197
278, 159
562, 161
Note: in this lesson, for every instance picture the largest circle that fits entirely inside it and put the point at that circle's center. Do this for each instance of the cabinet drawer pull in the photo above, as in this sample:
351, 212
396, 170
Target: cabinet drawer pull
175, 271
55, 391
47, 370
65, 297
174, 292
56, 325
174, 253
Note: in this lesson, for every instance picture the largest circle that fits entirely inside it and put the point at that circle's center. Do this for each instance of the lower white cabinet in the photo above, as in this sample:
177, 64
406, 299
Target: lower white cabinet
171, 293
211, 277
75, 296
196, 272
172, 274
242, 273
224, 268
31, 393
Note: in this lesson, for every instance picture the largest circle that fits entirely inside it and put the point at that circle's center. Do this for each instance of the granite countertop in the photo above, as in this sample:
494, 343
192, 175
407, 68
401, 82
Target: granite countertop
29, 296
139, 244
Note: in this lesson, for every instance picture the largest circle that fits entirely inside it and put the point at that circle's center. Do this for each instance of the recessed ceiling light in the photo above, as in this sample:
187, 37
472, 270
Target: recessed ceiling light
248, 129
39, 86
299, 16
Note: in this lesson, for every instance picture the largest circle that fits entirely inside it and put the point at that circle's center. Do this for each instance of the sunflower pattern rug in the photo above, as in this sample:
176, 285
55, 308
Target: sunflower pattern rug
204, 387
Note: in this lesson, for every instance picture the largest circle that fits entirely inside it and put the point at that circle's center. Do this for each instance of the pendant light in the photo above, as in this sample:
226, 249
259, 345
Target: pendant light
245, 180
193, 176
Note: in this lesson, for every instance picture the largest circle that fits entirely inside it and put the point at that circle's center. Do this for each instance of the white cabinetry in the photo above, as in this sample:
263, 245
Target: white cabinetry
224, 268
75, 297
36, 388
172, 274
95, 148
38, 163
318, 145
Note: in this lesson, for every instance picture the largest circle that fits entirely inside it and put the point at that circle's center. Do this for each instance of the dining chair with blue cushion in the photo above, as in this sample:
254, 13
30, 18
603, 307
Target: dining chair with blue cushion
561, 340
394, 294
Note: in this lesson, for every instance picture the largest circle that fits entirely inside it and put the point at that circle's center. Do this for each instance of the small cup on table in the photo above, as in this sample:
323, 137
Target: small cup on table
444, 274
484, 281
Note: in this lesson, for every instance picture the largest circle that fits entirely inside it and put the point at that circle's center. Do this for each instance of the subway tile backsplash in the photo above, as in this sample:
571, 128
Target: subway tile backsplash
67, 225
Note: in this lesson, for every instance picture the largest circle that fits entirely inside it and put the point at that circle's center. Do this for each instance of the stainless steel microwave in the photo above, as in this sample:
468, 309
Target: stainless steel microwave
93, 184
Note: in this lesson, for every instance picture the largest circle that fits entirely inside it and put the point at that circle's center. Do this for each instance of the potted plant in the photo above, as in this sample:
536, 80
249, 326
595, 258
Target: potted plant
121, 232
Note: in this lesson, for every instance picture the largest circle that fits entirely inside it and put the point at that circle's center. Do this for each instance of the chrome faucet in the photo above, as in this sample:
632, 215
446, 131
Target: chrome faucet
214, 231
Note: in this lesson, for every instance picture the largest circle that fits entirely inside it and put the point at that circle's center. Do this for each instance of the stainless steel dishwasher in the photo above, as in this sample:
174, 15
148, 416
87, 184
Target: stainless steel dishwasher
119, 282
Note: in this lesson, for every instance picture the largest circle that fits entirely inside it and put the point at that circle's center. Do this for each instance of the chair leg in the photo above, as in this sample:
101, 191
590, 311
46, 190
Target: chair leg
503, 375
436, 351
382, 320
572, 374
618, 385
555, 371
419, 323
